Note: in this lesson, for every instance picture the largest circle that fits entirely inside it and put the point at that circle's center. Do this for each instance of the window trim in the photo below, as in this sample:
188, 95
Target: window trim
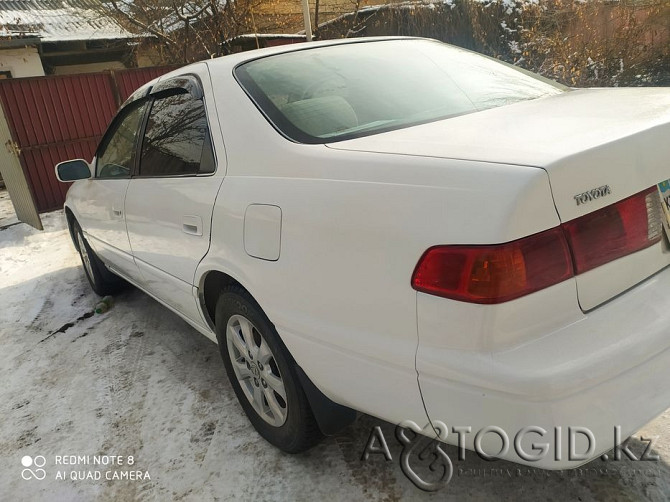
119, 117
189, 82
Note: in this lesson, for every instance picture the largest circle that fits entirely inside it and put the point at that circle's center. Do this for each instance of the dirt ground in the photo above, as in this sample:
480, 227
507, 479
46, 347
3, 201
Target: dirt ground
139, 382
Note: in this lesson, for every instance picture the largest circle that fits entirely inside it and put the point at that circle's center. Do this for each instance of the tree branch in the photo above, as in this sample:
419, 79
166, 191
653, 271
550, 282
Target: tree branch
139, 24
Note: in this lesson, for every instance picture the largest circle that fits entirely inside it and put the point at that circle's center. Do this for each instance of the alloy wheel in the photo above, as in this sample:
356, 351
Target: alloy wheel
256, 370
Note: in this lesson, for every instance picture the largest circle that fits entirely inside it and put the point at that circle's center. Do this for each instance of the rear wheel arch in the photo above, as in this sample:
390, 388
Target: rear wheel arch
211, 285
330, 416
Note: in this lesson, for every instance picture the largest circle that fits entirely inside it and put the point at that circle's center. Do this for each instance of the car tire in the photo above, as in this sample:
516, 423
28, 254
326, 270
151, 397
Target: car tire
262, 373
102, 281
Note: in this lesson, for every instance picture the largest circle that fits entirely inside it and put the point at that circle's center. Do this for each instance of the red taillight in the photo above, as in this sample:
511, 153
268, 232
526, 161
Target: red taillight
495, 274
615, 231
503, 272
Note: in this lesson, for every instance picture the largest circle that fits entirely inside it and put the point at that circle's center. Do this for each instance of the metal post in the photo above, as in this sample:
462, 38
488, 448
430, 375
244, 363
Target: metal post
308, 21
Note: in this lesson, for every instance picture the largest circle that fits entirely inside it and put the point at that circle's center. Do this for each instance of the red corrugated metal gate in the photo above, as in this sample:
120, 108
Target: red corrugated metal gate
57, 118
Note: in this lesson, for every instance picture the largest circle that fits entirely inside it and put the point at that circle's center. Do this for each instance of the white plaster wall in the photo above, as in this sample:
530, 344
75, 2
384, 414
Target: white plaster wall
22, 62
88, 68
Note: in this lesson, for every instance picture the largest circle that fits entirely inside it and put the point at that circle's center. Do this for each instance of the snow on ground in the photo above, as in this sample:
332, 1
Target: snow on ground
7, 214
138, 381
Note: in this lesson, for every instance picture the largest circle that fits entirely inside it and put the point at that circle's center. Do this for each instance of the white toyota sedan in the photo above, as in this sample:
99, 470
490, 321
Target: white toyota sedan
402, 228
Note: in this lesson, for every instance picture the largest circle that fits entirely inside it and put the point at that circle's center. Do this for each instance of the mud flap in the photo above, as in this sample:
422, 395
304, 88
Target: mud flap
330, 416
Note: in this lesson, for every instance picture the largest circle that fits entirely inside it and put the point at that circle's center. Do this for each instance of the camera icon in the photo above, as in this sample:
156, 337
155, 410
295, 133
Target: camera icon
37, 462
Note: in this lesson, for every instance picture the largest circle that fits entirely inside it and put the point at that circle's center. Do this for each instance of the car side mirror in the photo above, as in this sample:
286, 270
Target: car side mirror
73, 170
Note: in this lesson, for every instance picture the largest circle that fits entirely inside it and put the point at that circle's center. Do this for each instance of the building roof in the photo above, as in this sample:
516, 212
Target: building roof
58, 20
254, 36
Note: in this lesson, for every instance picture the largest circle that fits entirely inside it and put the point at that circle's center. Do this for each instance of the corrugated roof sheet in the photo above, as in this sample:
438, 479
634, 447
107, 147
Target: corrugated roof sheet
58, 20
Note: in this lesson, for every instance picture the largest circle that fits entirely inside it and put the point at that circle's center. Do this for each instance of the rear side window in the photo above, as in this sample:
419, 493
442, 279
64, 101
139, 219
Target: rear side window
117, 154
176, 139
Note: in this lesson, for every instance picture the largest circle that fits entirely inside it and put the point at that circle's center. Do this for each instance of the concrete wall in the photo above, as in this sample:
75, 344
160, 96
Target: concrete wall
22, 62
88, 68
285, 16
147, 55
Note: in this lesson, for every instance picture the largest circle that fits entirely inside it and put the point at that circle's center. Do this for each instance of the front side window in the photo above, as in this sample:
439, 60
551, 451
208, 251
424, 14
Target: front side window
117, 153
345, 91
176, 139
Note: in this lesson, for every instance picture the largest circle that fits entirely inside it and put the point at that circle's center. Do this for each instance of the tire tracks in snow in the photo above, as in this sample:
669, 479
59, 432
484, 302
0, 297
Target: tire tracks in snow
121, 393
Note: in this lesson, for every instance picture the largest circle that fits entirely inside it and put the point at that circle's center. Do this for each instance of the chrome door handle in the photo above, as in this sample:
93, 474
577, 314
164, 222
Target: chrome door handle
191, 225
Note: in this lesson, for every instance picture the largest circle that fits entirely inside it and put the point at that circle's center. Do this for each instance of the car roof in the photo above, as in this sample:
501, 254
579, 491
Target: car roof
242, 57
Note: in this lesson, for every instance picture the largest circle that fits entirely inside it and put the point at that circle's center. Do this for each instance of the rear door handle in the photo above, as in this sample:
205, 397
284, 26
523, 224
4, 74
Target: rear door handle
117, 212
191, 225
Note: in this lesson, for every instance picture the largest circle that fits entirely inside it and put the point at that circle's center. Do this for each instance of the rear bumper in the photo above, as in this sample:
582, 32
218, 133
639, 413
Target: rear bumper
607, 368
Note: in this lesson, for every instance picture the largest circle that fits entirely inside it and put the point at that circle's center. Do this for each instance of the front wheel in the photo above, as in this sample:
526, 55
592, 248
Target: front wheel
262, 373
102, 281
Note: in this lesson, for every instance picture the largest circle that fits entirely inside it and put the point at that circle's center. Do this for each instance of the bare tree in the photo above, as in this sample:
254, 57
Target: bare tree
182, 31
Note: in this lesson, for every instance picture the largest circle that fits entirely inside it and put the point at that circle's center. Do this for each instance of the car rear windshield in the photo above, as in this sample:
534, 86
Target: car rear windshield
333, 93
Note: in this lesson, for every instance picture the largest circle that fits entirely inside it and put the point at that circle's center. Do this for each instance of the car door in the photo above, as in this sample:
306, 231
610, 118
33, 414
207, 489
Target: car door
170, 198
100, 209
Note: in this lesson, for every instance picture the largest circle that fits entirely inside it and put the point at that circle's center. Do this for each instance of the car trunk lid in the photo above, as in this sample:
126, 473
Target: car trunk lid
598, 146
